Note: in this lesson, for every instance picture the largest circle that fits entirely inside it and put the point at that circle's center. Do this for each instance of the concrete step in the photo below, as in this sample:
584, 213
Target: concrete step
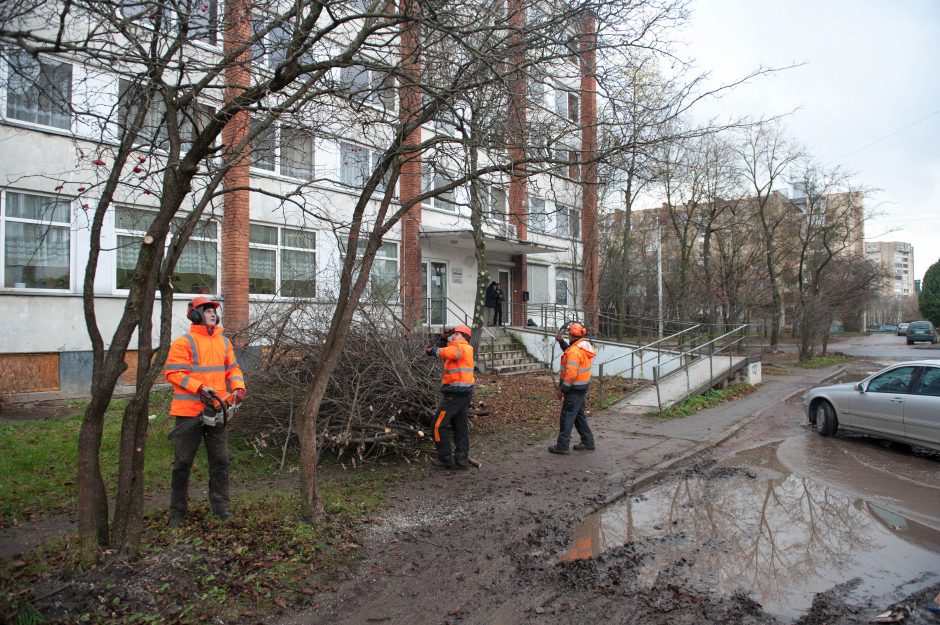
506, 353
520, 368
520, 360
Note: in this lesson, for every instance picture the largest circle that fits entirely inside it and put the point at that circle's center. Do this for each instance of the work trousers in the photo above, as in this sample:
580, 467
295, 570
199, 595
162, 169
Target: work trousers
451, 420
187, 444
572, 414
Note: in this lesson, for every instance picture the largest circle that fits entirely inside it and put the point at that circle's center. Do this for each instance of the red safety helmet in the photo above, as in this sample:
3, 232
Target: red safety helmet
463, 329
576, 329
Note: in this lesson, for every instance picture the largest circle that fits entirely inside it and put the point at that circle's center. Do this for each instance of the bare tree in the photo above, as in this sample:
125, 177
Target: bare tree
766, 156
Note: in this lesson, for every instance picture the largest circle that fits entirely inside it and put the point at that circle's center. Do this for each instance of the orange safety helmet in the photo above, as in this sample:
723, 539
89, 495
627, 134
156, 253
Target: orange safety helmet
576, 329
463, 329
194, 312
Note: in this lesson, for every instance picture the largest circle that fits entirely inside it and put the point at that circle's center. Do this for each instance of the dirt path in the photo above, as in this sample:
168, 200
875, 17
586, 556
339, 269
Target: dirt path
485, 546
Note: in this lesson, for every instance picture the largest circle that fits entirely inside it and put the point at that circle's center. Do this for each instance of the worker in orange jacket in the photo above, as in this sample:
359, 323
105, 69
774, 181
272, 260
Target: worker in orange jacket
574, 380
457, 388
199, 363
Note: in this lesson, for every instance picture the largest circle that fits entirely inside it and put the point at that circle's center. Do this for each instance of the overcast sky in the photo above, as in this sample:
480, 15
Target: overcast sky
868, 94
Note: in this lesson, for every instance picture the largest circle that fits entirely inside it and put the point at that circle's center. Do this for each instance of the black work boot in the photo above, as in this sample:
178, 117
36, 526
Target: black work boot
176, 518
584, 447
461, 460
223, 514
444, 462
555, 449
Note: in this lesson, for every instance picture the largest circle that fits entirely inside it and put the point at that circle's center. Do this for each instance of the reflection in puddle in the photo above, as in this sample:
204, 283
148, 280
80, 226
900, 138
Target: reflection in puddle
779, 537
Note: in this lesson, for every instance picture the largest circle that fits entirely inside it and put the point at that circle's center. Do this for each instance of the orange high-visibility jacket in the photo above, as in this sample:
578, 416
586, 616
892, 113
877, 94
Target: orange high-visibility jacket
197, 359
575, 374
458, 366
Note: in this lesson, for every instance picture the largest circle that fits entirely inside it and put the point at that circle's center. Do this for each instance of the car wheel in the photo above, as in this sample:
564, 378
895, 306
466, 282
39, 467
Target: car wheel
910, 342
826, 422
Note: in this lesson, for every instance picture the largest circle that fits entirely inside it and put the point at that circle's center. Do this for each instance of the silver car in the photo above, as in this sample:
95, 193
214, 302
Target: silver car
900, 403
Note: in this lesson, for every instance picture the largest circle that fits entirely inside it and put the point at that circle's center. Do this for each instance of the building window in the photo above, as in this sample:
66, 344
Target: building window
282, 149
434, 180
369, 86
494, 203
383, 279
538, 218
282, 261
561, 291
567, 222
153, 130
268, 50
356, 166
36, 242
196, 270
39, 91
204, 21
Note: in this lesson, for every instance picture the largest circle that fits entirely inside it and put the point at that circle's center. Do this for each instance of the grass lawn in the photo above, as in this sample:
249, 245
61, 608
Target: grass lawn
709, 399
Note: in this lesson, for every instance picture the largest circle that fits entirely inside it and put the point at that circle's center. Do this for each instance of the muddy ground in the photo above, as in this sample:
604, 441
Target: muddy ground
489, 546
494, 545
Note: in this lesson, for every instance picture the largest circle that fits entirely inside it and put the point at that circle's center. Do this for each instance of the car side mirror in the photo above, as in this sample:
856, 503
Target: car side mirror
860, 387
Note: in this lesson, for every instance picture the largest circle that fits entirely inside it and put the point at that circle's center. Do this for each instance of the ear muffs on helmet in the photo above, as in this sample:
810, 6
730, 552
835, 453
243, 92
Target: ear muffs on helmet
194, 311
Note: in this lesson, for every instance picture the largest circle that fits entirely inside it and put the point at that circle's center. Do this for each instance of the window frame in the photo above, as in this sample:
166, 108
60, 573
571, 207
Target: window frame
44, 61
542, 225
5, 219
395, 296
276, 132
444, 202
139, 235
559, 281
279, 248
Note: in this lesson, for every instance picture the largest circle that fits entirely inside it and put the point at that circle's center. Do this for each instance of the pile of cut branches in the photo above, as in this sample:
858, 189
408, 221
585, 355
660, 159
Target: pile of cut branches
381, 397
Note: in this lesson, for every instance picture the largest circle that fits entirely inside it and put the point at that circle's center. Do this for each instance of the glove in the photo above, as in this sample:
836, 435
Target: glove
204, 394
429, 351
559, 394
239, 395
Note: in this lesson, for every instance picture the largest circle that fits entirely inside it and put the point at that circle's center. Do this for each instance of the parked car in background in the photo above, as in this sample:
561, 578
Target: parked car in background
887, 328
921, 331
900, 403
902, 328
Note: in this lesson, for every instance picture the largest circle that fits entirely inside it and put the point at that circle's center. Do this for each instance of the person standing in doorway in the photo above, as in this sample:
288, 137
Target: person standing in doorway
498, 317
489, 301
573, 383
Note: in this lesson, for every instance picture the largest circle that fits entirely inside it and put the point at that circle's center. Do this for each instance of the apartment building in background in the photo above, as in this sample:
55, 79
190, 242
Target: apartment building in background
897, 259
253, 249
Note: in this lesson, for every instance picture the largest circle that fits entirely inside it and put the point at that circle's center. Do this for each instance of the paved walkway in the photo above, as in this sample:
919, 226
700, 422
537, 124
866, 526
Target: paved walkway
679, 384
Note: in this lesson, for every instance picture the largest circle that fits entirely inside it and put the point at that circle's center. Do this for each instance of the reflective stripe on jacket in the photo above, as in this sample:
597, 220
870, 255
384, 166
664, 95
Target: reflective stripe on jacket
197, 359
458, 366
575, 374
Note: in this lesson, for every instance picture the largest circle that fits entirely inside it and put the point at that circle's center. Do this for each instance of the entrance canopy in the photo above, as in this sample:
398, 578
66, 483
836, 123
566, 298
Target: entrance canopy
463, 239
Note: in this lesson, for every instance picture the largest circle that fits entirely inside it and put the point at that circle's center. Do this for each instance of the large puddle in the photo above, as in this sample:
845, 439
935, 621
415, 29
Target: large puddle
754, 526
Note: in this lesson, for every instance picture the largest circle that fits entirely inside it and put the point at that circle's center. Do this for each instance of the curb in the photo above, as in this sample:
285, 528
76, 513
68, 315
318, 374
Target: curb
660, 469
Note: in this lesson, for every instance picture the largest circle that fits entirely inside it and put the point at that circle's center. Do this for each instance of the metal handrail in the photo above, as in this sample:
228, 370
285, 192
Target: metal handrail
632, 353
688, 356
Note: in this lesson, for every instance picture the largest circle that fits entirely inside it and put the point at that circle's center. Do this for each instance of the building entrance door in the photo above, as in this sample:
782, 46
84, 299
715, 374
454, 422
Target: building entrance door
435, 292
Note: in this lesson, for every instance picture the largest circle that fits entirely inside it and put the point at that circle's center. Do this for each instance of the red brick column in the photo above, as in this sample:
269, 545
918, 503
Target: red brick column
410, 178
589, 226
518, 189
237, 29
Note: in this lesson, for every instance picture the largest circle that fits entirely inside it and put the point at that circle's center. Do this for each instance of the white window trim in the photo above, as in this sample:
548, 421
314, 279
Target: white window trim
277, 295
141, 233
12, 121
277, 126
3, 239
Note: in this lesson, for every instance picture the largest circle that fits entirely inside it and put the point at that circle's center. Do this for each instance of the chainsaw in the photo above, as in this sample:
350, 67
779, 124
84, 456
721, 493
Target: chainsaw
217, 412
